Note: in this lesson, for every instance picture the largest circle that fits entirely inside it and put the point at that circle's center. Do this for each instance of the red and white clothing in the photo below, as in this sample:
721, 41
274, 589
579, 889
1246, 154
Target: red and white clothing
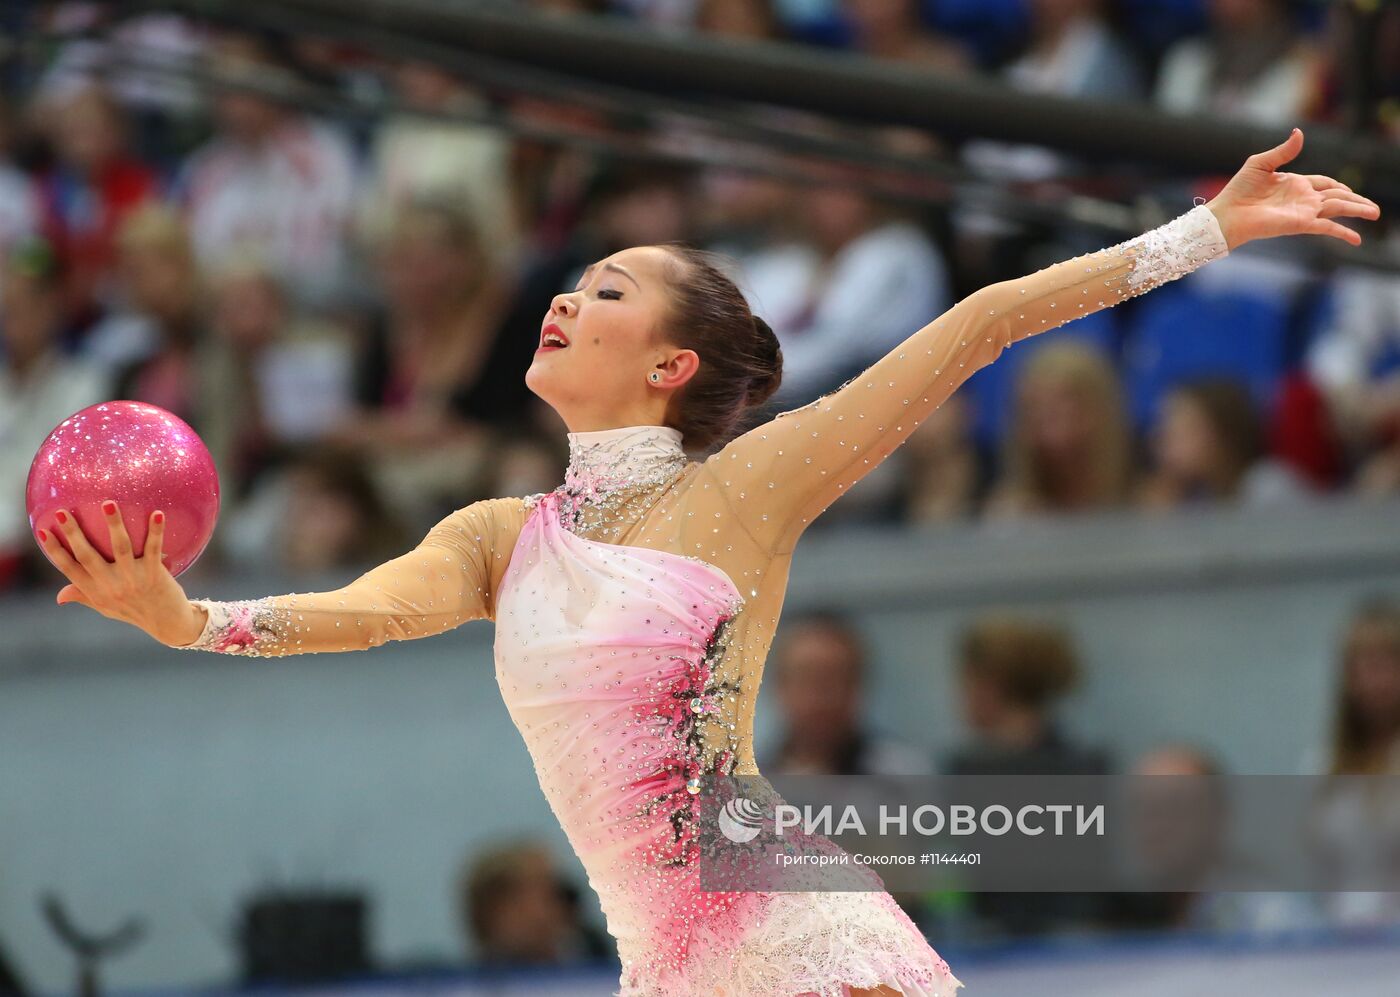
288, 200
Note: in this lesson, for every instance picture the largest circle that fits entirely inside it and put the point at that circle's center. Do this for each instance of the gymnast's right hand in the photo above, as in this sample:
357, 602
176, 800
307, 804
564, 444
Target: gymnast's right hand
136, 590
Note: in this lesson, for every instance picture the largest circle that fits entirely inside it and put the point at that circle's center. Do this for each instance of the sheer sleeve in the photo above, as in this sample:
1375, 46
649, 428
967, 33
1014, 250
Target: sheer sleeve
451, 577
782, 474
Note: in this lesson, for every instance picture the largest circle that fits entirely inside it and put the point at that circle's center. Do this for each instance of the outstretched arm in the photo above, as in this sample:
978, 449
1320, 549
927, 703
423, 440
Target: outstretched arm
781, 475
452, 576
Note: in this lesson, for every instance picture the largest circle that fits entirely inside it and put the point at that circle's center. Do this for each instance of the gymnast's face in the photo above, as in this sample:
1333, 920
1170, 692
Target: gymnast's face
613, 325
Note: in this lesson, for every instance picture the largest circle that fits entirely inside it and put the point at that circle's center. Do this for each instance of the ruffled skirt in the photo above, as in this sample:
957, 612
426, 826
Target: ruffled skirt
804, 945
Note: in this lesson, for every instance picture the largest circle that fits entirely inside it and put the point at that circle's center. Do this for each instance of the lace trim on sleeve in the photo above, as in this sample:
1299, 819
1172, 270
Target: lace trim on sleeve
241, 627
1173, 250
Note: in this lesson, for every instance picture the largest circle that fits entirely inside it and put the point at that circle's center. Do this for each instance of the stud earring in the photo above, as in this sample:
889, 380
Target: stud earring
655, 377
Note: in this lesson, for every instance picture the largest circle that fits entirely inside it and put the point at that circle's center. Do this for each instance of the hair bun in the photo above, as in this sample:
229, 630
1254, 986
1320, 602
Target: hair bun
770, 358
740, 363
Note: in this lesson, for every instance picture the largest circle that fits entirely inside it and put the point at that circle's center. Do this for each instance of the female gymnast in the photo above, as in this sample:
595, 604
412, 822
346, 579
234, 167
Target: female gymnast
635, 603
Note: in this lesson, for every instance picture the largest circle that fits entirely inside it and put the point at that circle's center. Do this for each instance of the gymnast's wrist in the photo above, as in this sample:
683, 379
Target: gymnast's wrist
191, 627
1225, 218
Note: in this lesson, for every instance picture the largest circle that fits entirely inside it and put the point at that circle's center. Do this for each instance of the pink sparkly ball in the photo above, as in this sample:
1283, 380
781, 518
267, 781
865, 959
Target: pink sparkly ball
141, 457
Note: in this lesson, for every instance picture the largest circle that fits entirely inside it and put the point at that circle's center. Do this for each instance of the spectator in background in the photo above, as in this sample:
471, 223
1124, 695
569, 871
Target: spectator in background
1209, 446
896, 30
549, 178
423, 150
1181, 825
742, 212
867, 280
756, 221
633, 204
664, 14
1357, 822
20, 208
1355, 360
155, 282
93, 186
738, 19
1359, 77
1070, 445
516, 909
1072, 52
1012, 672
147, 61
161, 285
319, 512
274, 380
1253, 65
1366, 715
943, 476
821, 665
436, 351
40, 385
272, 181
1379, 474
434, 370
334, 517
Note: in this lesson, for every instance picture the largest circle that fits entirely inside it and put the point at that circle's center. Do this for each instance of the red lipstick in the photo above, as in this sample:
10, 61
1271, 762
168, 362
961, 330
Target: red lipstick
552, 338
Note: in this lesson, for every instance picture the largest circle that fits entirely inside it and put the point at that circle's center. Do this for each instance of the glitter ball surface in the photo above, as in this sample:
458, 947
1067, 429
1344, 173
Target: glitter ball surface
141, 457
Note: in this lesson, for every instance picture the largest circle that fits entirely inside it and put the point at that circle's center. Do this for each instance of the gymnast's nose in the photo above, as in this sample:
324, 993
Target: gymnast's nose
563, 304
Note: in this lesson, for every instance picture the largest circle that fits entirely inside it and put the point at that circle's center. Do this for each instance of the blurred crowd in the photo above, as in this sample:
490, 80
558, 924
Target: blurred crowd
344, 308
1014, 674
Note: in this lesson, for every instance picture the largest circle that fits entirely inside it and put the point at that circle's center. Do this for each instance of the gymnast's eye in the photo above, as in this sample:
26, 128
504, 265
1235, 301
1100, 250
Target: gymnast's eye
609, 293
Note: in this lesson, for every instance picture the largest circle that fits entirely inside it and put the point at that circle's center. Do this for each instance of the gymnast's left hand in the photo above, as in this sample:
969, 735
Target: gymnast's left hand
1260, 203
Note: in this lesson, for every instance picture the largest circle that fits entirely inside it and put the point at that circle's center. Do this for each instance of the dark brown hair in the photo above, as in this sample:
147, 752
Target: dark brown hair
836, 624
488, 881
1353, 747
1229, 408
741, 364
343, 473
1031, 662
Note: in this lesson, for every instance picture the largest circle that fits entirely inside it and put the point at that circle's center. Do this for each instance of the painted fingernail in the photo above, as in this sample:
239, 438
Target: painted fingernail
61, 516
159, 517
43, 536
110, 508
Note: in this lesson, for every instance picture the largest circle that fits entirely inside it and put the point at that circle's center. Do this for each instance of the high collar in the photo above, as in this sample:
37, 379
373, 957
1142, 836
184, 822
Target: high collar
611, 459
